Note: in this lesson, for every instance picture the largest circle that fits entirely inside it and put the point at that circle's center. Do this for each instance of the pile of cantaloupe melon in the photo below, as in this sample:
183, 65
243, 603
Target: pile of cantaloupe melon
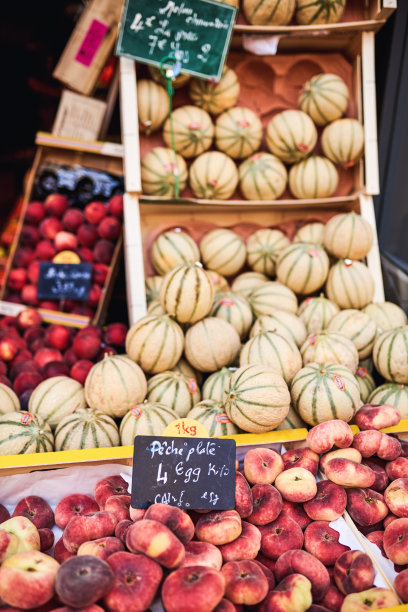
243, 336
281, 12
218, 144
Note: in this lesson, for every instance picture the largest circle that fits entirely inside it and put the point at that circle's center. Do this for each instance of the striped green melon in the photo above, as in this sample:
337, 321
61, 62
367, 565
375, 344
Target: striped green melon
325, 391
147, 419
247, 282
152, 286
348, 235
285, 323
256, 399
174, 390
343, 142
314, 177
366, 383
238, 132
213, 176
185, 368
392, 394
22, 433
215, 97
269, 12
171, 249
55, 398
292, 421
273, 350
314, 12
155, 342
325, 98
158, 172
317, 312
262, 177
214, 386
193, 131
235, 309
390, 355
152, 105
212, 415
177, 82
303, 267
270, 296
330, 347
86, 428
291, 135
218, 281
115, 384
359, 327
264, 248
350, 284
386, 315
187, 293
311, 232
9, 401
223, 251
155, 308
211, 344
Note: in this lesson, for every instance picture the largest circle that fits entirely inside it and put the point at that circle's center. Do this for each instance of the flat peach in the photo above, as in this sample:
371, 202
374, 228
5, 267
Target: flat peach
267, 504
245, 547
377, 416
262, 465
296, 485
88, 527
396, 497
397, 468
281, 535
119, 506
243, 496
401, 585
395, 541
388, 519
324, 436
347, 473
301, 457
381, 478
218, 527
366, 506
193, 589
372, 442
302, 562
292, 594
353, 572
322, 541
245, 582
269, 575
74, 505
136, 514
102, 548
371, 599
333, 599
156, 541
328, 504
202, 553
175, 519
296, 512
377, 538
341, 453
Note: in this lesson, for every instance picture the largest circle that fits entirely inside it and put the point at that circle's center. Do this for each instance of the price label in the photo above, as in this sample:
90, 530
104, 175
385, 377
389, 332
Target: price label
59, 281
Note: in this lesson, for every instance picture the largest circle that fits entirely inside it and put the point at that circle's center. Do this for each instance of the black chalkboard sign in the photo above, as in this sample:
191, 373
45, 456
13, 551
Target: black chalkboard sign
64, 281
191, 473
195, 32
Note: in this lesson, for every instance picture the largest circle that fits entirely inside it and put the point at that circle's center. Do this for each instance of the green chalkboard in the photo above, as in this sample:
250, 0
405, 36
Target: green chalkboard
195, 32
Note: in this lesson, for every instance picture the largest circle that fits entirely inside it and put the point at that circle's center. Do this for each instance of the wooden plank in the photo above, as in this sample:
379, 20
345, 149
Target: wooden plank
373, 257
372, 180
133, 251
130, 125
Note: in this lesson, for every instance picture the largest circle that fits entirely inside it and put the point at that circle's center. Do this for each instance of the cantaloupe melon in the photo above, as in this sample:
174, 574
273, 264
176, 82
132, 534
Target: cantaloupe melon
145, 419
325, 391
330, 347
317, 312
350, 284
348, 235
219, 282
247, 282
311, 232
213, 176
393, 394
343, 142
215, 97
262, 177
303, 267
366, 383
24, 433
214, 386
387, 315
238, 132
155, 342
179, 81
152, 285
270, 296
292, 421
159, 168
319, 11
115, 384
235, 309
359, 327
171, 249
257, 399
9, 401
314, 177
285, 323
264, 248
192, 131
154, 307
269, 12
325, 98
212, 415
211, 344
185, 368
273, 350
174, 390
152, 105
390, 355
223, 250
86, 428
187, 293
55, 398
291, 135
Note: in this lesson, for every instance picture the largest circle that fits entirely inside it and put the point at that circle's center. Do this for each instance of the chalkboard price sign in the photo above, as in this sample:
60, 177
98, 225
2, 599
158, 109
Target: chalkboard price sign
196, 473
64, 281
195, 32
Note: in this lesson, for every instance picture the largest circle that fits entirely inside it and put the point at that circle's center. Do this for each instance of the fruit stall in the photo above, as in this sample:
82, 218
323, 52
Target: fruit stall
238, 438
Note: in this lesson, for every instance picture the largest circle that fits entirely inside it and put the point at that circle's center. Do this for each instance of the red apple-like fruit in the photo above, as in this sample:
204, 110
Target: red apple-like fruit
45, 355
103, 251
28, 318
23, 257
35, 213
8, 349
95, 212
26, 381
87, 235
86, 346
109, 228
94, 295
86, 255
29, 235
115, 206
65, 241
58, 337
33, 272
55, 368
115, 334
99, 274
45, 250
50, 227
56, 204
79, 371
17, 279
72, 219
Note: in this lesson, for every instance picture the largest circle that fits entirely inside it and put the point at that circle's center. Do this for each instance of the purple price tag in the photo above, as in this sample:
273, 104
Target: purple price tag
91, 43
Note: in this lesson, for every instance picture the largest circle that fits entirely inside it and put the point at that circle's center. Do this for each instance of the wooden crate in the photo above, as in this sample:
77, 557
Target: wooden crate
95, 155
